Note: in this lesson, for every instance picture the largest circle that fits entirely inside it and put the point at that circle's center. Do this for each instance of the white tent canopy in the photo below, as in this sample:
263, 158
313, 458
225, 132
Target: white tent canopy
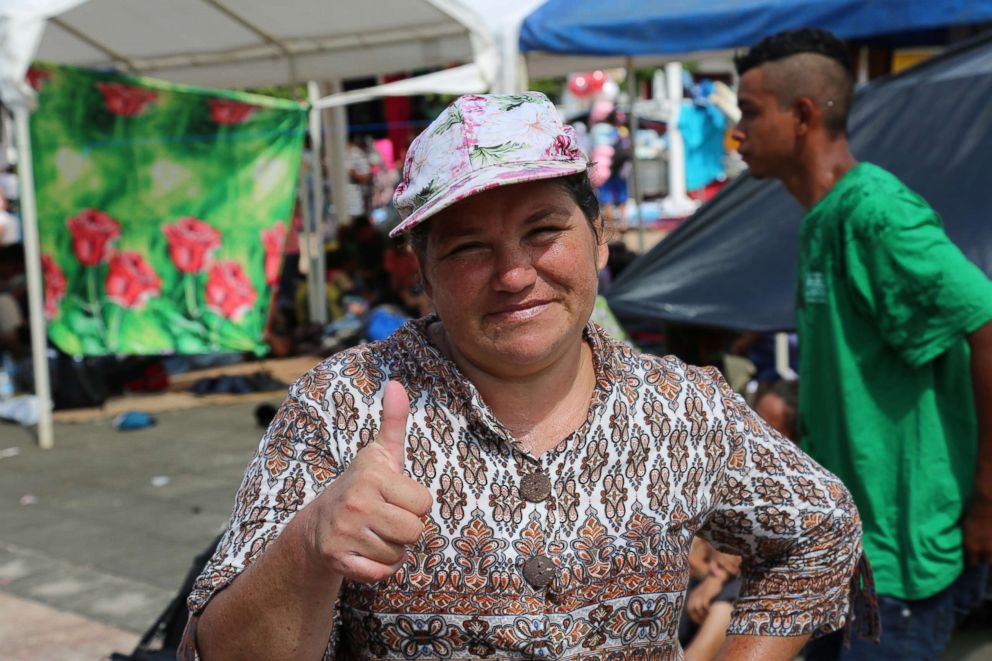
249, 43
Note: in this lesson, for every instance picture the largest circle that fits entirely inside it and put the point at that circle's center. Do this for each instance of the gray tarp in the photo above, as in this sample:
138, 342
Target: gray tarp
732, 264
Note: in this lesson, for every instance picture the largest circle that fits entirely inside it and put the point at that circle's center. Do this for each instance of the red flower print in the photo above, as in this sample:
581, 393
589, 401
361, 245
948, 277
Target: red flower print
124, 99
229, 291
226, 111
55, 285
273, 239
92, 234
191, 241
131, 281
36, 78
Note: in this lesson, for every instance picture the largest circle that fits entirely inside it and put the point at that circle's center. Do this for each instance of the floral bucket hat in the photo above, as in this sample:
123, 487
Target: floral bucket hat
479, 142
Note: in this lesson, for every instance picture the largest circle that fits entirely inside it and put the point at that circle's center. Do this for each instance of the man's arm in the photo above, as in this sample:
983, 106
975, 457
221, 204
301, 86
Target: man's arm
761, 648
978, 516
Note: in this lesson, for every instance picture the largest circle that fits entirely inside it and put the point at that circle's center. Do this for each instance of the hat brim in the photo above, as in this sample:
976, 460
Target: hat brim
487, 178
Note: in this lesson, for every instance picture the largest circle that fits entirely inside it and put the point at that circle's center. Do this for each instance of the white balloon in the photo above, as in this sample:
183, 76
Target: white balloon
610, 90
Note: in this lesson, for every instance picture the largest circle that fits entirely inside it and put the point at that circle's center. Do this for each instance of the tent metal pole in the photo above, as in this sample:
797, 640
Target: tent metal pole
306, 247
635, 168
782, 355
32, 260
318, 266
337, 158
678, 202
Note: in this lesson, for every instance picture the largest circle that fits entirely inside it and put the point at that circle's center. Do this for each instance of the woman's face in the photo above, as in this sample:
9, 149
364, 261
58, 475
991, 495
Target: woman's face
512, 275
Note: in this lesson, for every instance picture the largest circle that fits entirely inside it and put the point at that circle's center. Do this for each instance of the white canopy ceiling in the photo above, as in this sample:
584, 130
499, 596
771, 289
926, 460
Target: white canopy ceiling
245, 43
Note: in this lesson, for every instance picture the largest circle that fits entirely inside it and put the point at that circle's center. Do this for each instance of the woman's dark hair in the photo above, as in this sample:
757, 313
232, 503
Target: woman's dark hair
578, 187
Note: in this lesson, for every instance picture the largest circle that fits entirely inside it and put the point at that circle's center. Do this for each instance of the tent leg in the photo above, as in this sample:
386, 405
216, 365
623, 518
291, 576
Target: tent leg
318, 267
782, 355
32, 260
677, 204
635, 168
306, 240
337, 158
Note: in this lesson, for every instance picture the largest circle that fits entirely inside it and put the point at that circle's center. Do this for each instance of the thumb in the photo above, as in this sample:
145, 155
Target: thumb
392, 431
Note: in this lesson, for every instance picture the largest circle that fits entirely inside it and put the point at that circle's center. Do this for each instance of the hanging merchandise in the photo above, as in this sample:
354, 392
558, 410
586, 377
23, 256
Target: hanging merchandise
703, 127
161, 211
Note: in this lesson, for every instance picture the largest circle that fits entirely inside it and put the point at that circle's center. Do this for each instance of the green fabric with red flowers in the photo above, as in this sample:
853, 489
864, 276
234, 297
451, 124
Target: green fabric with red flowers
162, 210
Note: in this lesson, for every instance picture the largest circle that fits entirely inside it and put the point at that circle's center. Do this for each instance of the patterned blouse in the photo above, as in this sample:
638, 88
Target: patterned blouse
579, 554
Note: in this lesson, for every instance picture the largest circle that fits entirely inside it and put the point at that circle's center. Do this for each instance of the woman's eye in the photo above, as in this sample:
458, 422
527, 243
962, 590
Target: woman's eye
541, 232
464, 247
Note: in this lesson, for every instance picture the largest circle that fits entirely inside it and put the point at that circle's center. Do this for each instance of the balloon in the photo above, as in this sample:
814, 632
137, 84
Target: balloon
578, 85
584, 84
610, 90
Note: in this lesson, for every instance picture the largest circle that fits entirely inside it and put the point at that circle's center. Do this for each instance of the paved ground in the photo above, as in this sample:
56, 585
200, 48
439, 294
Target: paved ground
85, 530
97, 534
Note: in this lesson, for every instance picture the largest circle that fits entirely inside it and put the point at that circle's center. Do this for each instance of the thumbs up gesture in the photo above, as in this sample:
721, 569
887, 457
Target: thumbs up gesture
361, 525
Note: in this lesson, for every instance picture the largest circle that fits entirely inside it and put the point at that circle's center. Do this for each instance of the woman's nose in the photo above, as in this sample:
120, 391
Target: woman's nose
514, 270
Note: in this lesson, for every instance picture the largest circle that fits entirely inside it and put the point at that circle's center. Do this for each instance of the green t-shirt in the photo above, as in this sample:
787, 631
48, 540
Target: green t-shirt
884, 302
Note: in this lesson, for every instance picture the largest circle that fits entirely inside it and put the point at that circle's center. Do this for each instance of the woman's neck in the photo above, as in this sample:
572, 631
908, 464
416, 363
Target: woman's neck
540, 408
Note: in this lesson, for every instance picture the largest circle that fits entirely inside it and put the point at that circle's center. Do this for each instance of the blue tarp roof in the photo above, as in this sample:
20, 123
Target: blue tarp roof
732, 264
658, 27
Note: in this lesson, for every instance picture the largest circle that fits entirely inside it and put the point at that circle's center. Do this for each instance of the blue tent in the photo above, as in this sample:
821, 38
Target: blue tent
732, 264
658, 27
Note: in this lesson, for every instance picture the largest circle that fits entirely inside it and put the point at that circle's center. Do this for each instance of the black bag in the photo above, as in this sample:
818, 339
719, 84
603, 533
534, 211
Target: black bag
171, 623
80, 382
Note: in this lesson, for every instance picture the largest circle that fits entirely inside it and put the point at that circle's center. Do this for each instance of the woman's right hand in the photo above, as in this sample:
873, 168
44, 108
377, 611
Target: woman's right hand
360, 526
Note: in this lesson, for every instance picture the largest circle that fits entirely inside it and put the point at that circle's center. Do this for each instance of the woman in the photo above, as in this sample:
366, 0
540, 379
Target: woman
502, 478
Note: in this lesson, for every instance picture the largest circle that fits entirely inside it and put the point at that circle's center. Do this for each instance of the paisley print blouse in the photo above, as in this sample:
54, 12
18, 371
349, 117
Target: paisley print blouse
597, 567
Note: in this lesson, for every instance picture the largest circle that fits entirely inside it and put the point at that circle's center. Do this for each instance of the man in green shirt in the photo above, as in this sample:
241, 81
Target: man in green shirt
895, 347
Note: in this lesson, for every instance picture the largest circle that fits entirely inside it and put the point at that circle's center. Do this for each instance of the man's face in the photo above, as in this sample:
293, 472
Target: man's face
766, 132
512, 274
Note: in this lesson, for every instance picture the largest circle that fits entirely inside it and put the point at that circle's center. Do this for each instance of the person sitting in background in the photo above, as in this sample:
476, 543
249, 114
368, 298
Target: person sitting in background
759, 349
778, 407
713, 589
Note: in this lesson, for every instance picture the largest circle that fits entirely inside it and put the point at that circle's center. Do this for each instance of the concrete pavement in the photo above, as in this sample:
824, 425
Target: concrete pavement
105, 525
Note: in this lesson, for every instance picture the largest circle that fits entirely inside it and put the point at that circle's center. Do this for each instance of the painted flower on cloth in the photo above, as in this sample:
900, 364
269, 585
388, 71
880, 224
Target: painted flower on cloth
125, 100
191, 242
36, 78
229, 292
93, 233
55, 285
226, 111
273, 239
131, 281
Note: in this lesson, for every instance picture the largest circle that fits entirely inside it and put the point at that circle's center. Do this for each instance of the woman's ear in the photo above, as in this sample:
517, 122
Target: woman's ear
602, 245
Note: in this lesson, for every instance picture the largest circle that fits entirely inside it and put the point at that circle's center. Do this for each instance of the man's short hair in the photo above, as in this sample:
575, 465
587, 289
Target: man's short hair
810, 63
